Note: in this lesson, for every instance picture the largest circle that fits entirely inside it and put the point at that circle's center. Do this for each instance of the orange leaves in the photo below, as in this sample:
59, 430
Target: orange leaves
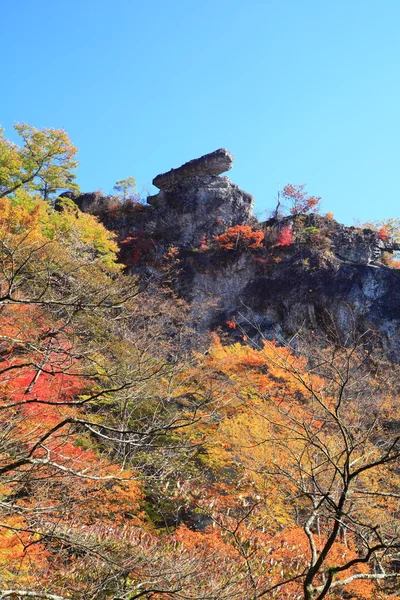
266, 369
383, 233
235, 448
275, 438
298, 199
240, 237
211, 539
22, 556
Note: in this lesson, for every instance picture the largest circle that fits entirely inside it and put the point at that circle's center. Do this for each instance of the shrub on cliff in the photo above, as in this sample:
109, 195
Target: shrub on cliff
299, 201
285, 237
240, 237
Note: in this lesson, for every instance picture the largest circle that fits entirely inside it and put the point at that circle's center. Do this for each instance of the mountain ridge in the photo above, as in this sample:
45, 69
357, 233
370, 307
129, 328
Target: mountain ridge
326, 273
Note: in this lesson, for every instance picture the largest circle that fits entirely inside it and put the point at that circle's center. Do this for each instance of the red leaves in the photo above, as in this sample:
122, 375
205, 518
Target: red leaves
301, 203
135, 248
203, 244
41, 377
285, 237
383, 233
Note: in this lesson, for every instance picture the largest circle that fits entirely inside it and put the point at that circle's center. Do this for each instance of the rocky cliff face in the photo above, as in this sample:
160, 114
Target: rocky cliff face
329, 277
194, 202
303, 293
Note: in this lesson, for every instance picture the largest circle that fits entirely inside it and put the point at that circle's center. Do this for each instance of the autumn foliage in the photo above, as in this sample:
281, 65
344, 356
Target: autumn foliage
43, 164
286, 237
282, 422
240, 237
135, 248
383, 233
298, 200
132, 467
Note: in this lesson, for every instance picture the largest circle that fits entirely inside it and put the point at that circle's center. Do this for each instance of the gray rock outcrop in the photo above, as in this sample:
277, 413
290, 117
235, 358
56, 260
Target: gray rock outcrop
329, 277
195, 203
350, 244
210, 165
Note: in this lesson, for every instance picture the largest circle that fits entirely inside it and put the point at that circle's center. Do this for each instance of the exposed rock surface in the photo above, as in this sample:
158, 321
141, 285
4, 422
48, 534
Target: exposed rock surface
200, 208
305, 293
92, 202
210, 165
195, 203
330, 277
351, 244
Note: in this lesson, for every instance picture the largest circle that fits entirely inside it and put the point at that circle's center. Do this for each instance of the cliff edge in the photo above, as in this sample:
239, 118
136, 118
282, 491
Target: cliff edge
301, 272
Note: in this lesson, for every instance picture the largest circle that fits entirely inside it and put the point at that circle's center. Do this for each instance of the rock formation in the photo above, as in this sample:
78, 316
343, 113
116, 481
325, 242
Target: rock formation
194, 202
210, 165
330, 277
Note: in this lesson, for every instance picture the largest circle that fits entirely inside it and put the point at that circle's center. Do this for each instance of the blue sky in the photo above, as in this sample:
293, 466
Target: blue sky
300, 91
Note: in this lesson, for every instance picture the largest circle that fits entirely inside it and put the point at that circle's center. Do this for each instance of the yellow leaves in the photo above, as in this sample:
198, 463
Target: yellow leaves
29, 228
10, 160
85, 236
252, 441
21, 554
271, 372
22, 217
46, 162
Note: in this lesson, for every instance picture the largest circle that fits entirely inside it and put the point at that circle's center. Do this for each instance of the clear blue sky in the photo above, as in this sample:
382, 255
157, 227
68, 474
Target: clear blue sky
300, 91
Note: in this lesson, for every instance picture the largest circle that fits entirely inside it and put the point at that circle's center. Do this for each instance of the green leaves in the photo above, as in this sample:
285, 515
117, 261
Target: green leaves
44, 163
126, 188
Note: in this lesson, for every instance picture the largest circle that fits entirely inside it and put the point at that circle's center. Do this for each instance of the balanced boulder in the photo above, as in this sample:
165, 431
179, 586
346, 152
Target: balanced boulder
209, 165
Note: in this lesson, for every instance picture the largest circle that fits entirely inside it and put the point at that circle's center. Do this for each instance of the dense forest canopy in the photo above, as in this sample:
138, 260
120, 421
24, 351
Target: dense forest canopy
133, 466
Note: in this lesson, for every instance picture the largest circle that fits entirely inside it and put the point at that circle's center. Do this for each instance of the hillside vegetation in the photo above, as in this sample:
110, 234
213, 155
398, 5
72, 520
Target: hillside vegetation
141, 458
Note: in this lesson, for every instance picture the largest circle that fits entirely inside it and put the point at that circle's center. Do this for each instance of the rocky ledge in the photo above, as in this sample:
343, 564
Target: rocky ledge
328, 276
196, 203
210, 165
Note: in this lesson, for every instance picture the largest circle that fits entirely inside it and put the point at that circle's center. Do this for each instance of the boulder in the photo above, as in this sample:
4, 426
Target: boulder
210, 165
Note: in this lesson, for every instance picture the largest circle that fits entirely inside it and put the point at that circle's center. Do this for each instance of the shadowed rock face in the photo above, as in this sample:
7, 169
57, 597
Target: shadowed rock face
278, 292
198, 208
209, 165
195, 203
306, 293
